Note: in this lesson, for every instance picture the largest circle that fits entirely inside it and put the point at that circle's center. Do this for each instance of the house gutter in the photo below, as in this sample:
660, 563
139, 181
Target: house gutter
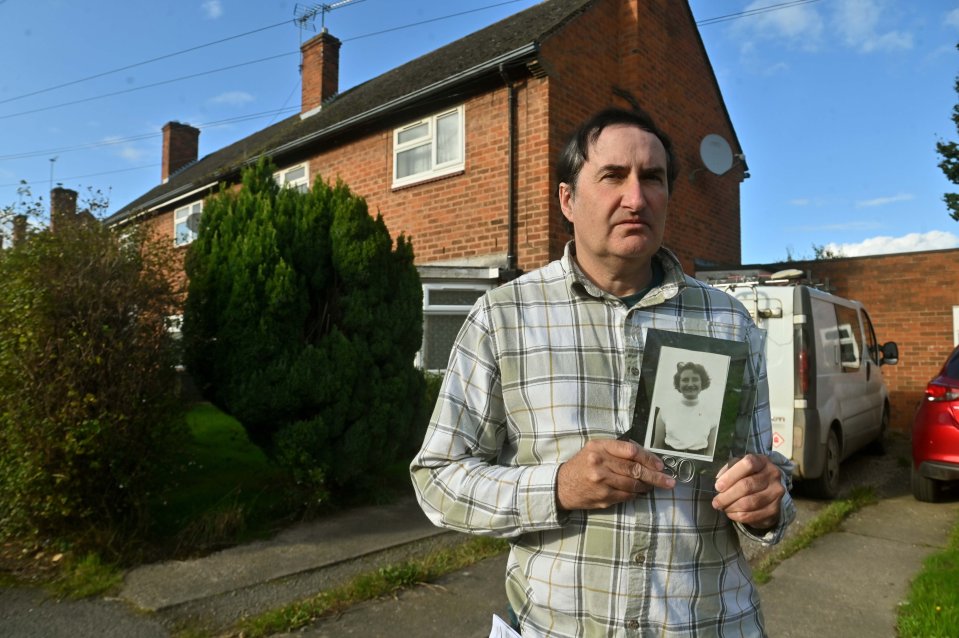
511, 178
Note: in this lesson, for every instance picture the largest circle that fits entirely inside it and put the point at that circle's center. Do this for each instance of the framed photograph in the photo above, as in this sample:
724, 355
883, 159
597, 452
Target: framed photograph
690, 408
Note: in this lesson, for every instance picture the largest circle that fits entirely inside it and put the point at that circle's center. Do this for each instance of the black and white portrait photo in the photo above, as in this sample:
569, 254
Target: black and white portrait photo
687, 403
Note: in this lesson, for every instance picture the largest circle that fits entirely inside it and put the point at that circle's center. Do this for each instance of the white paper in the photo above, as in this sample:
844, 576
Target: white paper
501, 629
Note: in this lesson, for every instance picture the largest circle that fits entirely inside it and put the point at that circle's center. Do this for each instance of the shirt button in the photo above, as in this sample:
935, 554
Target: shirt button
632, 624
634, 371
639, 559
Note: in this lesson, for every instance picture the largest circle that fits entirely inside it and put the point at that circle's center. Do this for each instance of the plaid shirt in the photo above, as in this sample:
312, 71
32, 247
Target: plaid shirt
542, 365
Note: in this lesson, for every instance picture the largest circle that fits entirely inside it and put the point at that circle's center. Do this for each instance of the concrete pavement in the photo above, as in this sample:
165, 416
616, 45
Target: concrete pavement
848, 583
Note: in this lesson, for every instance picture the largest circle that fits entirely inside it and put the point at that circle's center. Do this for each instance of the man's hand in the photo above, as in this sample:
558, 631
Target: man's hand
751, 491
606, 472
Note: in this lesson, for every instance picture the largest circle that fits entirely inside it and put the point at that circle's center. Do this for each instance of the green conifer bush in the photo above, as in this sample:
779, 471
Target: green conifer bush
302, 321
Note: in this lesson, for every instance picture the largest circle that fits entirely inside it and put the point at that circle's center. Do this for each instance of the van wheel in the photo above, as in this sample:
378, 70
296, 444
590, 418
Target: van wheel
826, 486
880, 445
924, 489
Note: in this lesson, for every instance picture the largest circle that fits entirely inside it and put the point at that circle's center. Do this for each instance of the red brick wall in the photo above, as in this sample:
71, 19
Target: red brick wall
909, 303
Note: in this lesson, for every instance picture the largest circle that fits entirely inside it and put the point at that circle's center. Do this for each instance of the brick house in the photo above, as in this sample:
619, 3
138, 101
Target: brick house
456, 148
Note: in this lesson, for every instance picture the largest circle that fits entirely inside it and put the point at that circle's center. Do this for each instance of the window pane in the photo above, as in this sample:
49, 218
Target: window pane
294, 174
413, 161
182, 234
439, 333
453, 297
448, 138
413, 133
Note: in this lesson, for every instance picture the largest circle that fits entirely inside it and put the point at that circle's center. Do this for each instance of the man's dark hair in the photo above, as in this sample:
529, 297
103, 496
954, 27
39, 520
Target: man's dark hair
698, 368
576, 151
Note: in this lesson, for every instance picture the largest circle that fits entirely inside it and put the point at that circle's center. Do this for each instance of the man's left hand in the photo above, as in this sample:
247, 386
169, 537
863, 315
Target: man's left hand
751, 491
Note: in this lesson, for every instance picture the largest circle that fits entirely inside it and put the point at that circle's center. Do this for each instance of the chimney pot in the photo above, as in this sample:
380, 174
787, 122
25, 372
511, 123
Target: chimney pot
320, 70
181, 144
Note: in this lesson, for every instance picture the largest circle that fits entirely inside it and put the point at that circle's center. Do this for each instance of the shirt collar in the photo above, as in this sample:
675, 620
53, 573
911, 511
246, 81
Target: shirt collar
674, 279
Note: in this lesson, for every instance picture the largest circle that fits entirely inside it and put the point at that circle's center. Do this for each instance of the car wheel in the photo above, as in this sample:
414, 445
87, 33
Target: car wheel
880, 445
924, 489
826, 486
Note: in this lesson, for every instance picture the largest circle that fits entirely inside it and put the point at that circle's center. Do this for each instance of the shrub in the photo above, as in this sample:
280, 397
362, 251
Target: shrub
302, 321
88, 409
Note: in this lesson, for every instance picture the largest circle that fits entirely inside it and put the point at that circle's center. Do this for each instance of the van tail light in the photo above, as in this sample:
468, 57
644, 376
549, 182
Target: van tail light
939, 392
802, 364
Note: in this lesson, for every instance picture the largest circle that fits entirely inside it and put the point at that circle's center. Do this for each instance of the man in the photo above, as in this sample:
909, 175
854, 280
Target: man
529, 437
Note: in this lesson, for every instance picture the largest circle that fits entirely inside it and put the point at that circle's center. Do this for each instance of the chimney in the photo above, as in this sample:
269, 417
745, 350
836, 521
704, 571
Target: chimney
63, 207
320, 71
19, 229
181, 142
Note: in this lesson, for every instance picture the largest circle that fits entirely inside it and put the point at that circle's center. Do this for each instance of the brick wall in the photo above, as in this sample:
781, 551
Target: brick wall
909, 303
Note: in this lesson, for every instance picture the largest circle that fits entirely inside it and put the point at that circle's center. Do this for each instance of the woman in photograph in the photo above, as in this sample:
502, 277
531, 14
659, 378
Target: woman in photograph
683, 425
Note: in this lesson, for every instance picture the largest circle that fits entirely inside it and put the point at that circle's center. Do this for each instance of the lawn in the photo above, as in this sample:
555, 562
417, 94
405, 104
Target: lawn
223, 490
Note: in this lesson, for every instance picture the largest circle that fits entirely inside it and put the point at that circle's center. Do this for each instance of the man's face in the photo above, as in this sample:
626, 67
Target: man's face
690, 384
619, 206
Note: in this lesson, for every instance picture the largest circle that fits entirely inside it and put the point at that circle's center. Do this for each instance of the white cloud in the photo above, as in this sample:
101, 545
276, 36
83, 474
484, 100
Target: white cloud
232, 98
952, 18
801, 26
213, 9
883, 201
857, 21
913, 242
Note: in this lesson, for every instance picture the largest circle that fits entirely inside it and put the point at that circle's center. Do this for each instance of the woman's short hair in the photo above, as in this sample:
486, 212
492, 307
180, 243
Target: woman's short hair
699, 369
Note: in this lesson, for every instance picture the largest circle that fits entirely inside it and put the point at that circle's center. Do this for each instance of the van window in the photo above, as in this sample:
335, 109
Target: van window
872, 346
849, 338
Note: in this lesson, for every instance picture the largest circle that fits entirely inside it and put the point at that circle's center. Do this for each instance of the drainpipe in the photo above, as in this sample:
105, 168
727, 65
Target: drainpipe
511, 271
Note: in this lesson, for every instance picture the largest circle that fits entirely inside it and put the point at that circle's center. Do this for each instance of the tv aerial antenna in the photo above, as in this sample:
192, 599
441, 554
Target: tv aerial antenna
305, 15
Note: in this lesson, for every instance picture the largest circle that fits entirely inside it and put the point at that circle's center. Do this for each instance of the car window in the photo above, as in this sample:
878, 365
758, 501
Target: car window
952, 365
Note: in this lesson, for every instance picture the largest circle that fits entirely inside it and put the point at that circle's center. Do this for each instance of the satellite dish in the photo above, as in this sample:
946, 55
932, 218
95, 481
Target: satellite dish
193, 222
716, 155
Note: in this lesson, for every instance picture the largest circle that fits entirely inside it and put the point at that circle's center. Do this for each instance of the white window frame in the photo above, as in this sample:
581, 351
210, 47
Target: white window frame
180, 215
436, 169
302, 184
446, 309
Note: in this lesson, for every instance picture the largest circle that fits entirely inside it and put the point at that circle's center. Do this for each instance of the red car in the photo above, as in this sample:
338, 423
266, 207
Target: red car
935, 435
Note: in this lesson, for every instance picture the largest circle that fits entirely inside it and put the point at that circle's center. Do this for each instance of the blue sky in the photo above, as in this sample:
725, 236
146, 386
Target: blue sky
838, 104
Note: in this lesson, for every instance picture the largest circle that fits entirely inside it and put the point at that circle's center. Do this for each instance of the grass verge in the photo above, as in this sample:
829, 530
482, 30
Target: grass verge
225, 491
932, 607
826, 521
383, 582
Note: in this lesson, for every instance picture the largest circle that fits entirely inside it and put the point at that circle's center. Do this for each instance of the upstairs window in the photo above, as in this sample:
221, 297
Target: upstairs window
186, 221
297, 177
428, 148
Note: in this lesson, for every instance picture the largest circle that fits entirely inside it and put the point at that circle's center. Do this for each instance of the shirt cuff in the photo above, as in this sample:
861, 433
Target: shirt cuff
536, 498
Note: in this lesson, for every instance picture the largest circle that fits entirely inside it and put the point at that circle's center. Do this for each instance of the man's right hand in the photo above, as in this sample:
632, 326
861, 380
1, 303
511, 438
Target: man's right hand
606, 472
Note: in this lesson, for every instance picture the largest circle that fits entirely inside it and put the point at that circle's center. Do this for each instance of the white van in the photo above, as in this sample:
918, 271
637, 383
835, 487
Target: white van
826, 392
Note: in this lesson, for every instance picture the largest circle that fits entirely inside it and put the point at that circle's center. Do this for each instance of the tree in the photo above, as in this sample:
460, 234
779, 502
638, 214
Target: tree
88, 406
824, 251
302, 321
949, 152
